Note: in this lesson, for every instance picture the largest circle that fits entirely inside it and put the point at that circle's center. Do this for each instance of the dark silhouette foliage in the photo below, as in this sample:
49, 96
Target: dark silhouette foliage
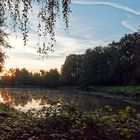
3, 42
46, 11
22, 77
116, 64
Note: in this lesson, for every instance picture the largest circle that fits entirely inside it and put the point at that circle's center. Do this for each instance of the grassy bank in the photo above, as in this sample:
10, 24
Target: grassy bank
130, 94
67, 122
124, 90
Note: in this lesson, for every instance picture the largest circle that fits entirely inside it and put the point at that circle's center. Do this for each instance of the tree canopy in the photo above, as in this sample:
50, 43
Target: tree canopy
116, 64
47, 13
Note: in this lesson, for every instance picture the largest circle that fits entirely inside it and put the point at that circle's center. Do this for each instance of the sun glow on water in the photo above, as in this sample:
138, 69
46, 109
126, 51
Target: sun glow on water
1, 99
33, 104
6, 98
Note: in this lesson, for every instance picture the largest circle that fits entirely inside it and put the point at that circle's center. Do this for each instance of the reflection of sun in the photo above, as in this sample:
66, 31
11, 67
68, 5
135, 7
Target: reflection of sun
1, 99
33, 104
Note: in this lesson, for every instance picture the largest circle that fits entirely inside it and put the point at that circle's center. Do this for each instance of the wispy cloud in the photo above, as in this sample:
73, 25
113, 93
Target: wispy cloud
21, 56
127, 24
130, 24
83, 34
113, 4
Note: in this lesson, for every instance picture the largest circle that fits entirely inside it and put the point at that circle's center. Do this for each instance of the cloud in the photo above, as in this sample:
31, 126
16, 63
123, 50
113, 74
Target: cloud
68, 45
113, 4
130, 23
21, 56
83, 35
132, 27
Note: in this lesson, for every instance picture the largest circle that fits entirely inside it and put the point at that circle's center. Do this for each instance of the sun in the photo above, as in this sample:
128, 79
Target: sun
6, 73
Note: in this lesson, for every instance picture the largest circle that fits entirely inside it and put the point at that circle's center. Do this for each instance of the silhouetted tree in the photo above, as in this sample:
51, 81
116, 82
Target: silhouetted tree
116, 64
71, 69
52, 78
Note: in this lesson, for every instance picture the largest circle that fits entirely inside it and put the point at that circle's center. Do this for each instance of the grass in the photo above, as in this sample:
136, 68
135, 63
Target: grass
123, 89
130, 94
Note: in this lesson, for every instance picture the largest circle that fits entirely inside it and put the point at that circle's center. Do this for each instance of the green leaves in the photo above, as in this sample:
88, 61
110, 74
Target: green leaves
67, 121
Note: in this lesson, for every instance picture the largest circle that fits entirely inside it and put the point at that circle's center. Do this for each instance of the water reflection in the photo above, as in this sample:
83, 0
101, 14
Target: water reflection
25, 99
33, 104
6, 98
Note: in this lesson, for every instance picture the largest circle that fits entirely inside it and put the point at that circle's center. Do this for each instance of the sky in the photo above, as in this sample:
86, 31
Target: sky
92, 23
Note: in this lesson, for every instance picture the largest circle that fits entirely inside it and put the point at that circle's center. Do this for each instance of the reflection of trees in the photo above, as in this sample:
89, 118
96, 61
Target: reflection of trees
23, 96
86, 102
6, 97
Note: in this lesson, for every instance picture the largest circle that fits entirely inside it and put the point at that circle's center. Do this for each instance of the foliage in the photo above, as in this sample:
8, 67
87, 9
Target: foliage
25, 78
115, 64
3, 42
122, 89
71, 69
52, 78
131, 93
47, 13
68, 122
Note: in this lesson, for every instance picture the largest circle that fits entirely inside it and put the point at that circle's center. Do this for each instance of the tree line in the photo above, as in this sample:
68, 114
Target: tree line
115, 64
22, 77
118, 63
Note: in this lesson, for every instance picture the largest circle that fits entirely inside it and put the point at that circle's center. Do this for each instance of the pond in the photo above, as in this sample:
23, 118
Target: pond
26, 98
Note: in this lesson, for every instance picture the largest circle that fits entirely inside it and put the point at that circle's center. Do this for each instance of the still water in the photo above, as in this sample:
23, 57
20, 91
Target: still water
25, 99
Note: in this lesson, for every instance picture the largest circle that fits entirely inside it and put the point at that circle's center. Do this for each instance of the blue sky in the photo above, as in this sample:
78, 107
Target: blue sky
92, 23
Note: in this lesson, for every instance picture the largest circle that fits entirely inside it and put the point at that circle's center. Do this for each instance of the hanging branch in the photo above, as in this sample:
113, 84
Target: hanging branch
19, 11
